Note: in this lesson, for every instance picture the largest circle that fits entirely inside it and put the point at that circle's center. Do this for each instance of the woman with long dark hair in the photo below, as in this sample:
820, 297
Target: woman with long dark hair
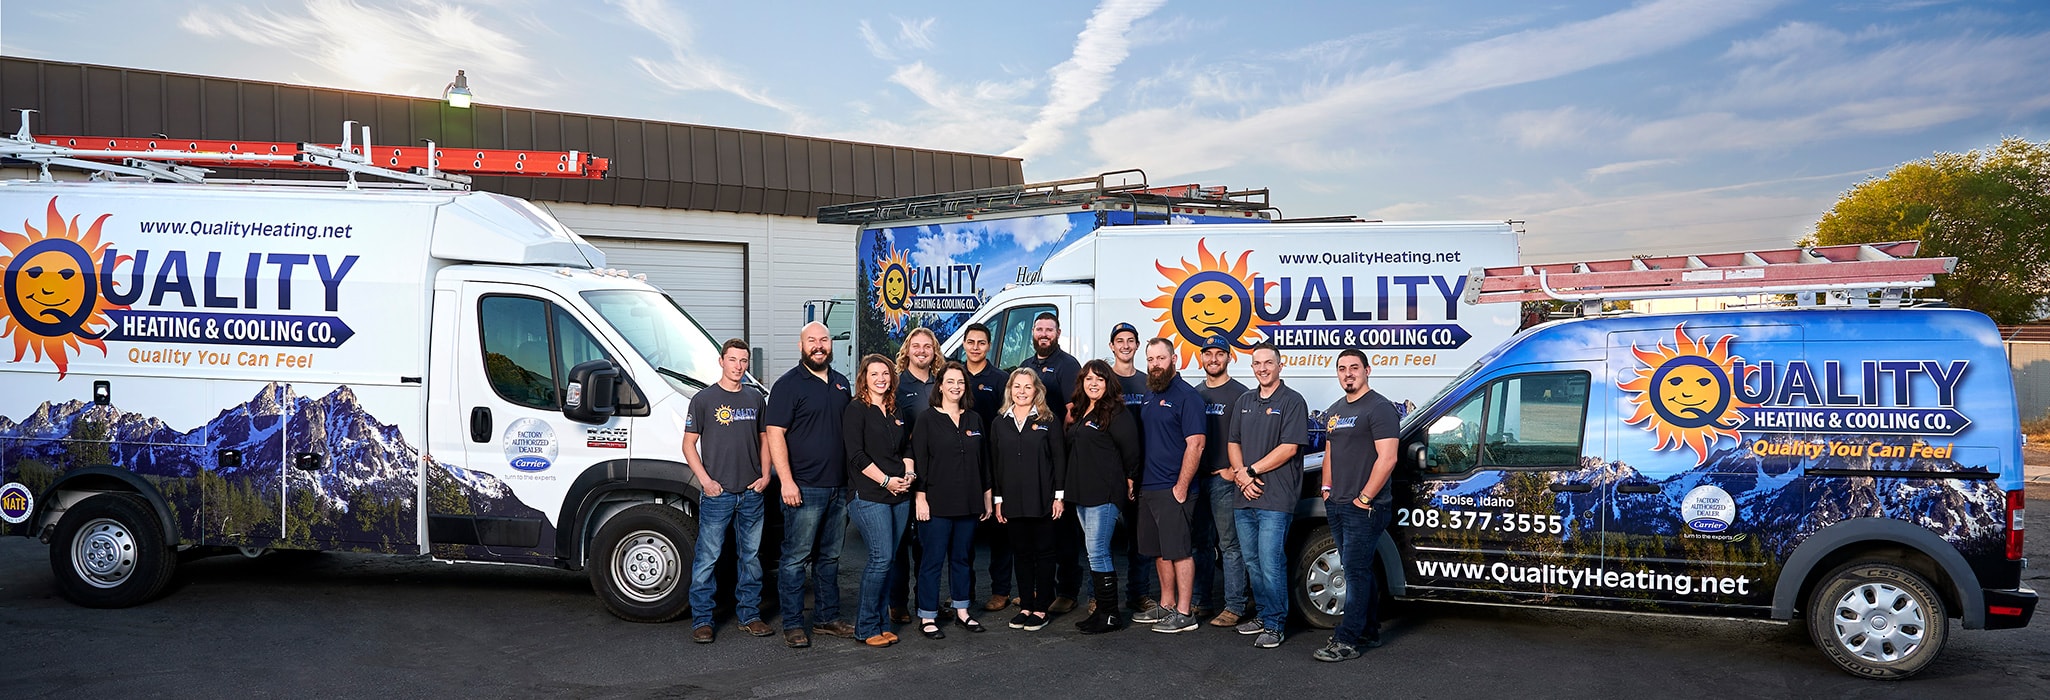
1103, 460
878, 463
952, 495
1027, 465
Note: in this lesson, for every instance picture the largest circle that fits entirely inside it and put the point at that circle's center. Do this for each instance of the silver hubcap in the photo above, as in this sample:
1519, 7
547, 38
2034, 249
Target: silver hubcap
1879, 622
103, 553
646, 566
1325, 582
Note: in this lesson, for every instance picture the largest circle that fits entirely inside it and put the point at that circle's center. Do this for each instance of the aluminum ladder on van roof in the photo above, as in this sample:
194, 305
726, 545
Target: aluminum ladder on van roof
1857, 270
182, 160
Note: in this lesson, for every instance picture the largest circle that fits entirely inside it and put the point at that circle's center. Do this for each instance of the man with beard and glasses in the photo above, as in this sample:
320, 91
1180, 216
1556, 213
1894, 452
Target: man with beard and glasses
1124, 346
1269, 426
1056, 370
1215, 526
805, 410
1172, 430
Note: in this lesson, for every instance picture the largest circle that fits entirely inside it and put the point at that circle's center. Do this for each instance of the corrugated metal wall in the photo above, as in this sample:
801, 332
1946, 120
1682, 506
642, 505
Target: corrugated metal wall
654, 164
2031, 363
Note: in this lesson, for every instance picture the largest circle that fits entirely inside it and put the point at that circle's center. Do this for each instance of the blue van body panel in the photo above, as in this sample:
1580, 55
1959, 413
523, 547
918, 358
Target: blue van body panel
1787, 594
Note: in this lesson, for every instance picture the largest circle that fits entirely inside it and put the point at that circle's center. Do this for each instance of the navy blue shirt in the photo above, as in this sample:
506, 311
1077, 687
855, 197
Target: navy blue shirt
1170, 419
1057, 371
810, 411
986, 391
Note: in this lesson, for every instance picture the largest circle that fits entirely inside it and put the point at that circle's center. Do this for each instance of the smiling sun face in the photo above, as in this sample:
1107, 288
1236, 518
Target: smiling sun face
893, 287
1683, 393
48, 280
1203, 299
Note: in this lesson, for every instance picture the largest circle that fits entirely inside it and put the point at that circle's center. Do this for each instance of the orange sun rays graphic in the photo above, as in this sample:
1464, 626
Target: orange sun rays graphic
893, 287
1209, 297
51, 289
1684, 394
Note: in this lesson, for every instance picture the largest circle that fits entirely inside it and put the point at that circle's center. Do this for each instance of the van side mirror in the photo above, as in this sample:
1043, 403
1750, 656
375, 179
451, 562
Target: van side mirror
1416, 454
592, 393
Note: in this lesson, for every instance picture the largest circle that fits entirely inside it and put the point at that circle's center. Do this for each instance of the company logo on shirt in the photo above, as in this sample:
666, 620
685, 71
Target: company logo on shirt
1213, 409
1038, 426
1273, 411
726, 415
1336, 422
973, 433
1092, 425
1166, 403
1134, 399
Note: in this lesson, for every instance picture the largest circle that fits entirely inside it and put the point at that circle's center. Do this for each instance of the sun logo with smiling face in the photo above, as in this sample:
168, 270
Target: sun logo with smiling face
893, 287
52, 289
1204, 299
1684, 395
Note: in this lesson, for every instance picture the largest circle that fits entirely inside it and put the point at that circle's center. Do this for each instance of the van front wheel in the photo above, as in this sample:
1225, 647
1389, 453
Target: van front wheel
644, 559
108, 552
1318, 585
1877, 620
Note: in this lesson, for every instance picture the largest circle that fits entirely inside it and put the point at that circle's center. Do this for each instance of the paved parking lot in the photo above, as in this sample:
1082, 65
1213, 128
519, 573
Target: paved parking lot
354, 625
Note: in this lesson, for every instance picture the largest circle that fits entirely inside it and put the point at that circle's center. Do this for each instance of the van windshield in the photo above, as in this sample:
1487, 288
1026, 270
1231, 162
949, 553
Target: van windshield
661, 333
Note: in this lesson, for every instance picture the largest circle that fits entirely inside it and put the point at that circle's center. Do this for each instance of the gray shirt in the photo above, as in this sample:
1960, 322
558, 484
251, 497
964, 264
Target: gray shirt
1258, 425
1217, 405
729, 429
1352, 427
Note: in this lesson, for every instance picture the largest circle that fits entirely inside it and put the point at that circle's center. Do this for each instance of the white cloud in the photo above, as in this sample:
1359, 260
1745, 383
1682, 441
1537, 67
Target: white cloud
982, 117
876, 46
1564, 126
944, 246
686, 69
1034, 232
1627, 166
1788, 39
410, 47
1077, 83
911, 33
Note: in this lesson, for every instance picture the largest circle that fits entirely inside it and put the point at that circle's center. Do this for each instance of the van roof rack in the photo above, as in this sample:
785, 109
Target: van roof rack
1856, 270
1127, 186
183, 160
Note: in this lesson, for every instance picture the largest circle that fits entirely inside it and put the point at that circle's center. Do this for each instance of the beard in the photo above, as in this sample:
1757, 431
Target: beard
1157, 380
819, 365
1043, 347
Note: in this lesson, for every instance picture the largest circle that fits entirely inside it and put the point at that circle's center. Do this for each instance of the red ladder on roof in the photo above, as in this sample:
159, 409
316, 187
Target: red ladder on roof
1886, 268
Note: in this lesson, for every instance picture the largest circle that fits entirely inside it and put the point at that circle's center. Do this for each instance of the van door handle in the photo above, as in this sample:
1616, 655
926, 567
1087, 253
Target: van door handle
1571, 488
480, 424
1638, 487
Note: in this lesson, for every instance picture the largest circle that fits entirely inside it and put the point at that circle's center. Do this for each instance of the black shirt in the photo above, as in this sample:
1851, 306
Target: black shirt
1217, 403
1352, 427
874, 438
1134, 388
913, 396
1057, 371
1101, 458
1026, 467
1260, 424
810, 410
986, 391
951, 470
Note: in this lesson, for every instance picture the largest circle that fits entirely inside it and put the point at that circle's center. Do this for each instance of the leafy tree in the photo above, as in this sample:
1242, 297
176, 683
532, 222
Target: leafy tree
1988, 208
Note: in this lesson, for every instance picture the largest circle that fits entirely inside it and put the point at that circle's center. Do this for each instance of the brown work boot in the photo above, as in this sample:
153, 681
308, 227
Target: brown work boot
900, 616
836, 628
702, 635
997, 602
1061, 605
796, 638
757, 628
1225, 619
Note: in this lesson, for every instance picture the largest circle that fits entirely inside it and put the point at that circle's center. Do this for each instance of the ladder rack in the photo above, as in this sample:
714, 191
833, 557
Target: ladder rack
1858, 270
1115, 185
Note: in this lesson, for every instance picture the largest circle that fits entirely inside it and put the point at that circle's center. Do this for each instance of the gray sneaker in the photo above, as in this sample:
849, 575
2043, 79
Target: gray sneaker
1150, 615
1336, 651
1268, 639
1175, 623
1250, 626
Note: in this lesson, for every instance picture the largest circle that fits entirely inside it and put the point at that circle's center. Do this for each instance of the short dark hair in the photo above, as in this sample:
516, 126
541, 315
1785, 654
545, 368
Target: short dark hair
1353, 353
939, 399
1047, 316
1161, 341
733, 343
977, 327
1264, 345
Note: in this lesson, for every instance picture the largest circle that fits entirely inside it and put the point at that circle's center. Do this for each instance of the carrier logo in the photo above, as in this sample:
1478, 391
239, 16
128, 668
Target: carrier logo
1208, 298
52, 288
1708, 509
530, 445
1683, 393
903, 289
15, 503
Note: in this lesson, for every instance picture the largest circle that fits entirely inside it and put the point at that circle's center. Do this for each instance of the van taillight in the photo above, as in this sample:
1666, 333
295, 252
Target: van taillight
2015, 519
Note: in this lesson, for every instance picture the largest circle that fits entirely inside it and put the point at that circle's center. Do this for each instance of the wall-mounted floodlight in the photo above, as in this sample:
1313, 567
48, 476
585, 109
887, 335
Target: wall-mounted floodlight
458, 92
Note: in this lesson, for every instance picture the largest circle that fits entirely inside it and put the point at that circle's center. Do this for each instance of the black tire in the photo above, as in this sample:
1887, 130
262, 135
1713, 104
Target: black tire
1316, 584
1877, 620
641, 560
108, 552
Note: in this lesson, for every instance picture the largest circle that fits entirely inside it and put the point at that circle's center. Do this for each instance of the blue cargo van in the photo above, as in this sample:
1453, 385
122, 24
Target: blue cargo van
1858, 470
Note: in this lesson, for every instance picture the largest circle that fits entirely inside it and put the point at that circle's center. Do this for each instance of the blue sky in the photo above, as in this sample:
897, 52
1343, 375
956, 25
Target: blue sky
1612, 128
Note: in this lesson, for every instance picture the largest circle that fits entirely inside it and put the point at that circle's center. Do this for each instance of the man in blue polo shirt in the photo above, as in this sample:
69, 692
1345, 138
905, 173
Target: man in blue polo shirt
804, 440
1172, 425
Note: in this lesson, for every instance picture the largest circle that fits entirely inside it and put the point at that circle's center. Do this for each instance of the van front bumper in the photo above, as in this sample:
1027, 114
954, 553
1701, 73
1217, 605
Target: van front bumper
2009, 609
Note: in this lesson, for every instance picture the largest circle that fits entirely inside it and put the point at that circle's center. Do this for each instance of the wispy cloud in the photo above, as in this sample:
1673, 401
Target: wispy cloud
686, 69
409, 47
1627, 166
1787, 39
1077, 83
1552, 128
911, 33
980, 117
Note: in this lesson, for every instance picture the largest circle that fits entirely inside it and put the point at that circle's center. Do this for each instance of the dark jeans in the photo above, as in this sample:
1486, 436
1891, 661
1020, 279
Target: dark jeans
1068, 553
1139, 573
1220, 498
1032, 545
1356, 531
948, 543
1263, 538
742, 513
882, 529
1003, 569
812, 534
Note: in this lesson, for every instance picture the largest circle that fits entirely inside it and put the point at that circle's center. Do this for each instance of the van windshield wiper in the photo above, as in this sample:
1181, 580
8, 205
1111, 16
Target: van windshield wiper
681, 377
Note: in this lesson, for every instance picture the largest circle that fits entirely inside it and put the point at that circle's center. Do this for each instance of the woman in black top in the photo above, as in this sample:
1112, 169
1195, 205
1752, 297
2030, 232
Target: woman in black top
1103, 460
878, 466
1027, 464
951, 497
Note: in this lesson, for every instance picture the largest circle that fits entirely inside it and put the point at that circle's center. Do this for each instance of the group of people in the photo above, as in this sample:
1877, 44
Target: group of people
919, 452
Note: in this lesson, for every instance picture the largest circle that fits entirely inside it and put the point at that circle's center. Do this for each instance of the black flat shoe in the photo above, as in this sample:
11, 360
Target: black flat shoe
931, 629
969, 623
1018, 621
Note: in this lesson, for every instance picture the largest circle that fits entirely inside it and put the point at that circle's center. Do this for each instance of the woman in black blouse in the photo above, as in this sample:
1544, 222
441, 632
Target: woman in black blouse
882, 474
951, 497
1103, 460
1027, 461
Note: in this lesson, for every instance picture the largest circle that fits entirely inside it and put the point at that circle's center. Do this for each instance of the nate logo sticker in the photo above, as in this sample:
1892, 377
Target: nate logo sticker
530, 445
15, 503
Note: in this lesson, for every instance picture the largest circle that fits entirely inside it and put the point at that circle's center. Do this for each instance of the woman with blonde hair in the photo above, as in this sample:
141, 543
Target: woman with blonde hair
1028, 460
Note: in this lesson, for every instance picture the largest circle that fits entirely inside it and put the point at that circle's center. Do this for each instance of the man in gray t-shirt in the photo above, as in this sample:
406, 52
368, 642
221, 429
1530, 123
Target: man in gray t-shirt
1359, 458
722, 441
1269, 426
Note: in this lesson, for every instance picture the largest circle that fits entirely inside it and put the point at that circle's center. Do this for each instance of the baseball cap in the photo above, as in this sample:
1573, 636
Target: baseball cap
1218, 342
1122, 327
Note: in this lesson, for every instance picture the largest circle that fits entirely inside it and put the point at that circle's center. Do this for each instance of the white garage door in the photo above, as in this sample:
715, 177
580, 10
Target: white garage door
707, 279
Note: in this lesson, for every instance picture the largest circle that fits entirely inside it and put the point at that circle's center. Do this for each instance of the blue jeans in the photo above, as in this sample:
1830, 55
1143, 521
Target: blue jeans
742, 511
882, 529
1263, 540
1222, 497
1356, 531
811, 550
1098, 522
947, 543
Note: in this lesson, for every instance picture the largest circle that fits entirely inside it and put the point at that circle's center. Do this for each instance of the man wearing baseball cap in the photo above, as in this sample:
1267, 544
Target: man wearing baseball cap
1216, 529
1124, 346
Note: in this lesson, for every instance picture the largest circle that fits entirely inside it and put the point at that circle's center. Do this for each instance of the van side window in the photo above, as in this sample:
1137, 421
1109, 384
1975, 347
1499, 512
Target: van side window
1529, 420
516, 352
573, 345
1014, 335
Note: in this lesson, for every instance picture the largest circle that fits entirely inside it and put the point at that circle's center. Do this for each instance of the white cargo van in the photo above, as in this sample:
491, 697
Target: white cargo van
201, 368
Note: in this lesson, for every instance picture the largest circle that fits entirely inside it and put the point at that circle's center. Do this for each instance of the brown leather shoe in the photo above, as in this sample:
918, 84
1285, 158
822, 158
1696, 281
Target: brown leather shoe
997, 602
758, 628
1225, 619
1061, 605
900, 616
836, 628
796, 639
880, 640
702, 635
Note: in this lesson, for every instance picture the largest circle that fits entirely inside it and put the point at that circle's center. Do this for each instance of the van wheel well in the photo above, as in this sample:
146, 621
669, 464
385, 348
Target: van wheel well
85, 483
1891, 552
614, 502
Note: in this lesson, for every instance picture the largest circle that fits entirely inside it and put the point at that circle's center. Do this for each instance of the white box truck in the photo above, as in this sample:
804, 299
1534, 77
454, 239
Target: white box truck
212, 367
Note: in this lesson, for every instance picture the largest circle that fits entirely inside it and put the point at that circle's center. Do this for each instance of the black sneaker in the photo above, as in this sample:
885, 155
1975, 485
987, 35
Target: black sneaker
1034, 623
1019, 620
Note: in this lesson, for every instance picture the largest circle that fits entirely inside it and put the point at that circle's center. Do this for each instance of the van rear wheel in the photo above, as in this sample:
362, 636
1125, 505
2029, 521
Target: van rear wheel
643, 570
108, 552
1877, 620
